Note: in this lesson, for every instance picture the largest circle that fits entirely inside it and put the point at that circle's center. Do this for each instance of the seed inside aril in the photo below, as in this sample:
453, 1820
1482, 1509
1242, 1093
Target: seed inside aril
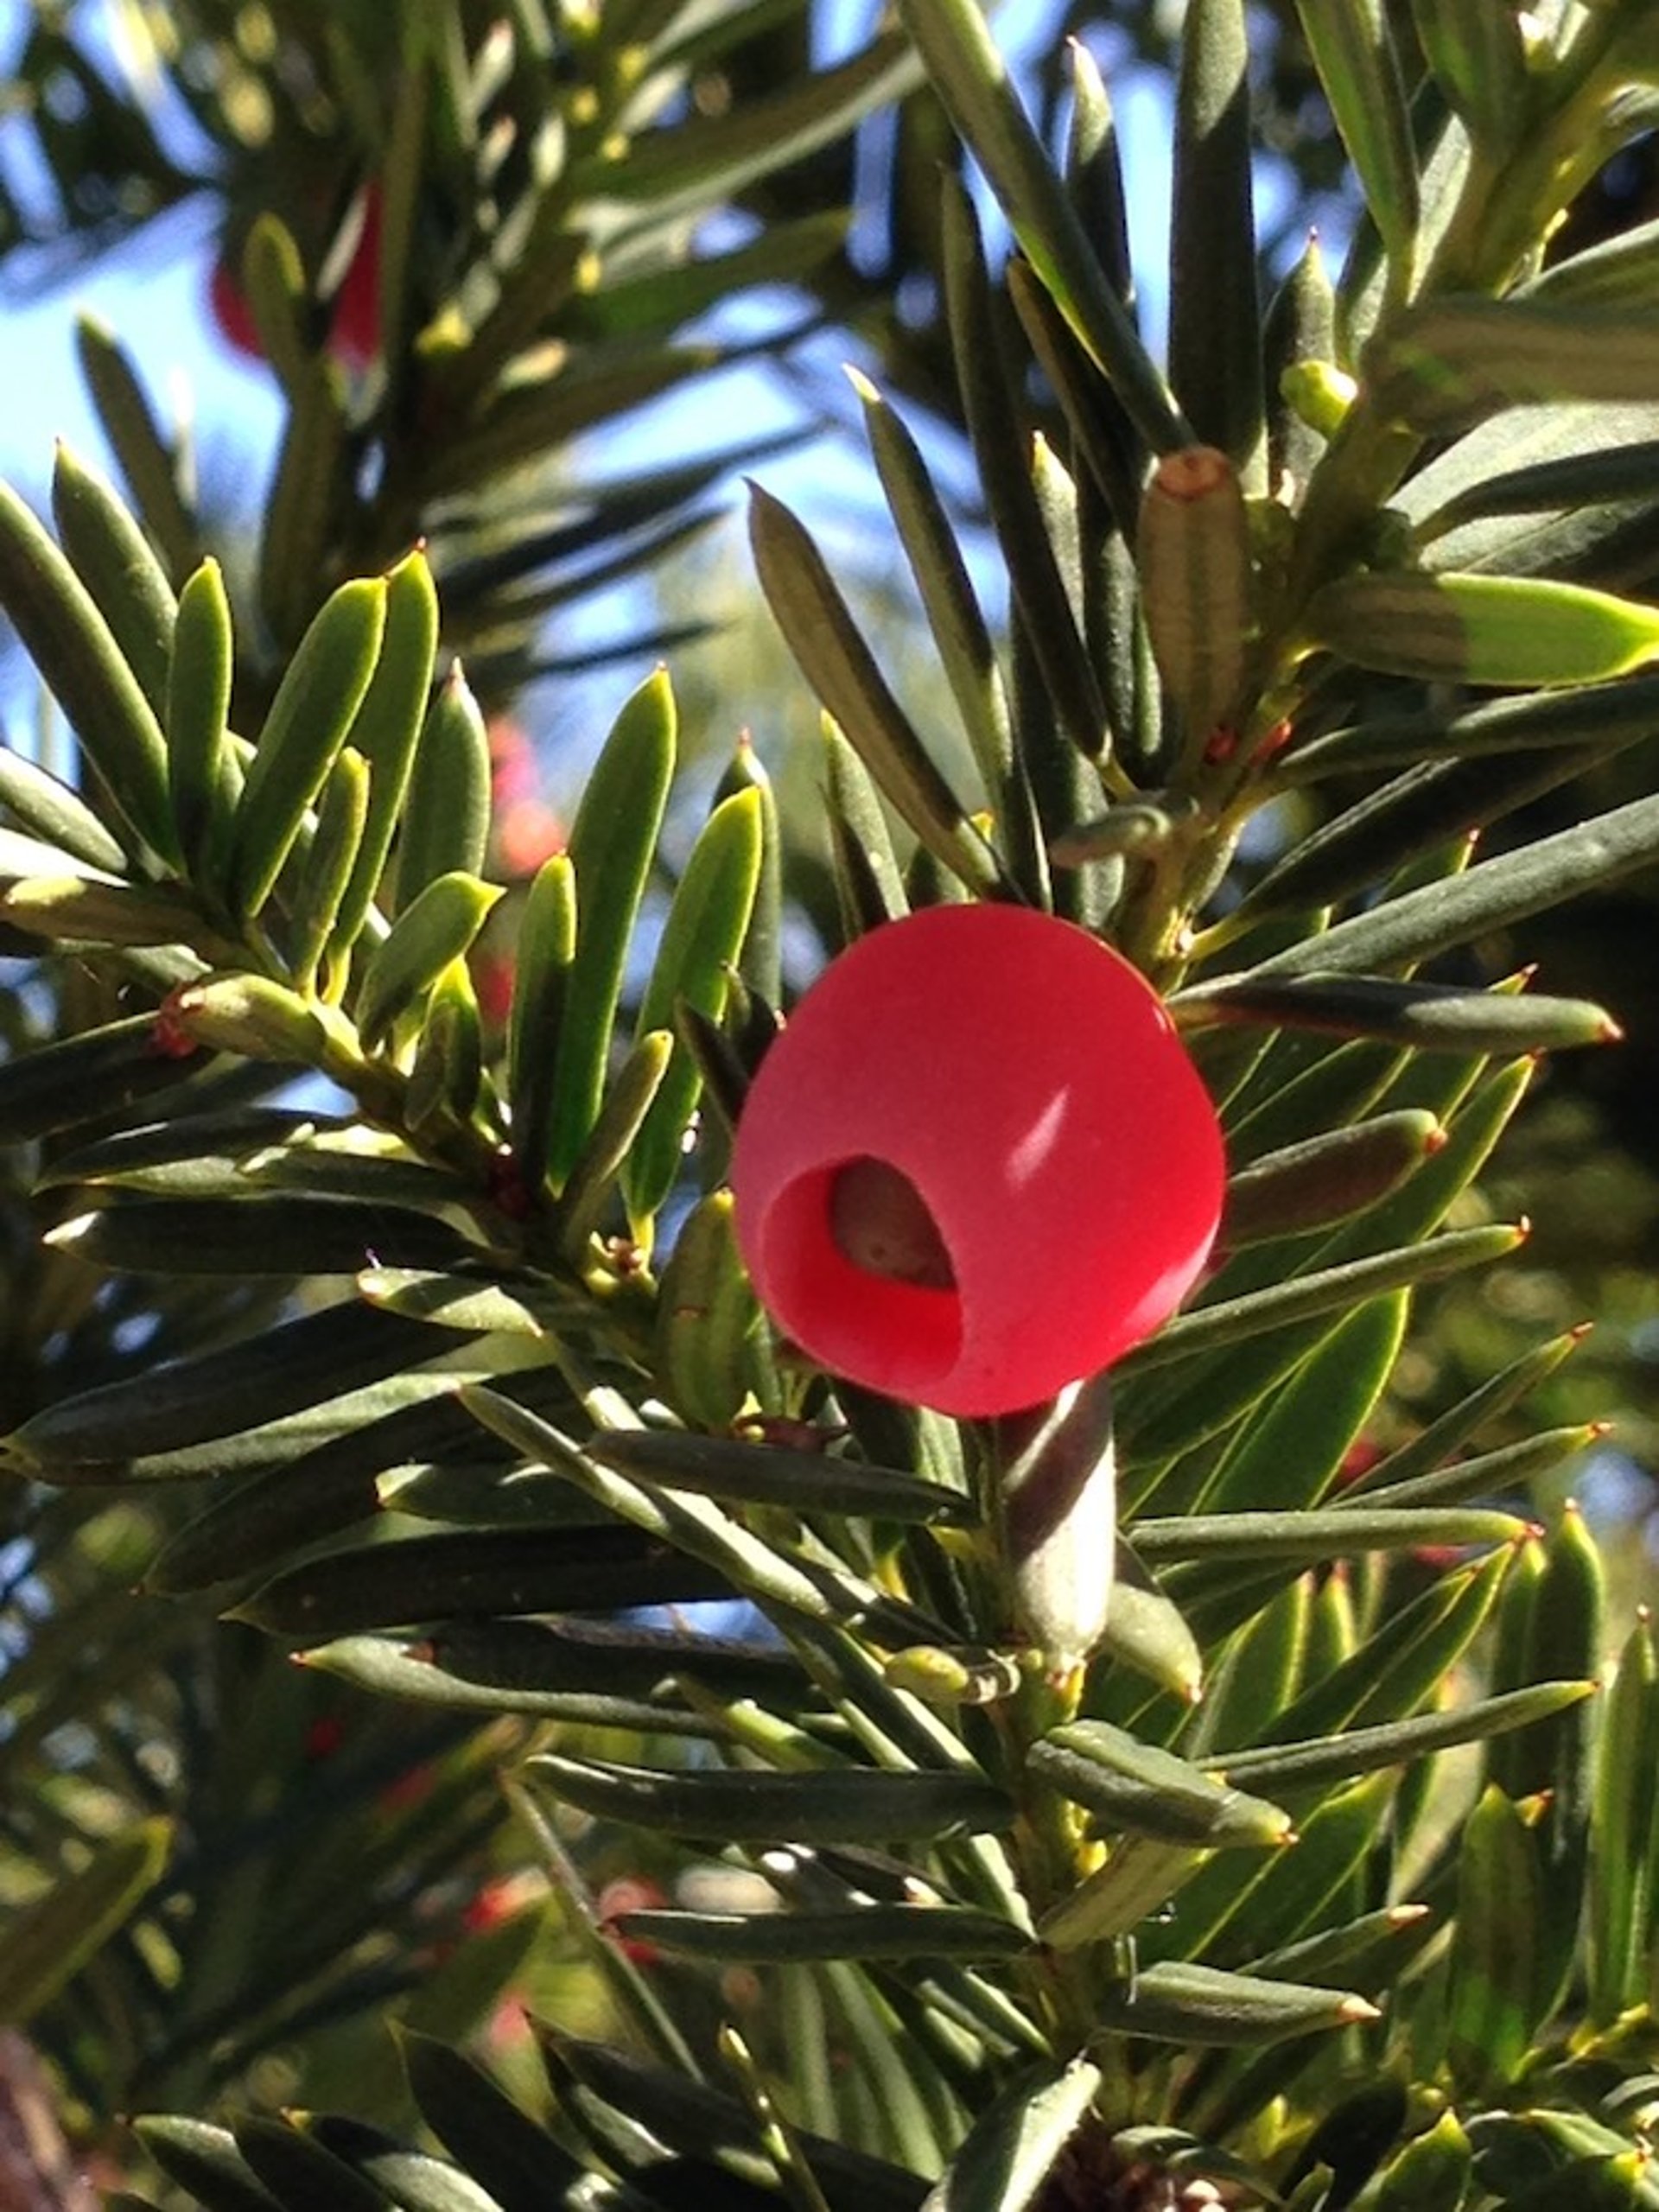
879, 1222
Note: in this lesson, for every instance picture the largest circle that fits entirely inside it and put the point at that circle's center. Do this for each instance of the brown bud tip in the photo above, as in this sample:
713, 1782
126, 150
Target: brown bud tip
1193, 472
880, 1222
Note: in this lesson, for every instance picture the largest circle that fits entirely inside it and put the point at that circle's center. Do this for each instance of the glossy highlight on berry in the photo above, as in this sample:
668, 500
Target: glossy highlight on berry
978, 1163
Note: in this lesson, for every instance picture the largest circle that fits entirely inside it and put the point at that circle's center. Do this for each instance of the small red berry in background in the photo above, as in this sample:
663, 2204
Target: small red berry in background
324, 1737
525, 829
232, 316
354, 319
494, 976
499, 1898
527, 833
354, 312
513, 773
978, 1164
627, 1893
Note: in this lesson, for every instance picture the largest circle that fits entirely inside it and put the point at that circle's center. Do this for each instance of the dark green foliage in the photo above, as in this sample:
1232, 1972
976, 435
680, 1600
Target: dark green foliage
1218, 1777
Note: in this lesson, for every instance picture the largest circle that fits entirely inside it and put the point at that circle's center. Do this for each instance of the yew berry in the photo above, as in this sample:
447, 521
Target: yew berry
232, 316
354, 319
353, 314
978, 1164
624, 1894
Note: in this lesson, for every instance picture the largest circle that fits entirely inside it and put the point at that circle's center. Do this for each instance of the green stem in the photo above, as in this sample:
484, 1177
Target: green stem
1044, 1846
1362, 468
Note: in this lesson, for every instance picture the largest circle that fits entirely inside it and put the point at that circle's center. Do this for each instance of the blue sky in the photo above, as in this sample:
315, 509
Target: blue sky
152, 292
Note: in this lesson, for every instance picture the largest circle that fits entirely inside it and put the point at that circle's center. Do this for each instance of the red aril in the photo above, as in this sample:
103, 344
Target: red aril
978, 1163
